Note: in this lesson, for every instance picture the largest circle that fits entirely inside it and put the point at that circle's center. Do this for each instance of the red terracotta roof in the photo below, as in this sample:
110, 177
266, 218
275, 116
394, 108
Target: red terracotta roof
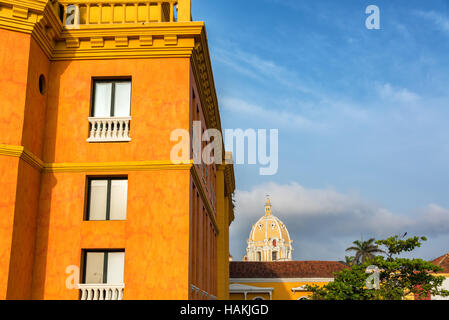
443, 262
285, 269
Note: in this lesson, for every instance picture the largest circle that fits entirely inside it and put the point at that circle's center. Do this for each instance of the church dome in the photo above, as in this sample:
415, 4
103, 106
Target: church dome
269, 239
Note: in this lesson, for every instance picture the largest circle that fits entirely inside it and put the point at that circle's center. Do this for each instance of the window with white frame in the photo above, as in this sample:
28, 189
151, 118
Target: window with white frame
107, 199
103, 267
111, 98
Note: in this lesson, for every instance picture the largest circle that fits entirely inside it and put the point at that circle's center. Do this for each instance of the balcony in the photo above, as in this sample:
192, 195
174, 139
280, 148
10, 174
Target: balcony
76, 13
114, 129
101, 291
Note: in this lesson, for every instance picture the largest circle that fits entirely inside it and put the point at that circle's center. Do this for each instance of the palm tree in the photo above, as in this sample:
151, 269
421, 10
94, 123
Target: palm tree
364, 250
349, 260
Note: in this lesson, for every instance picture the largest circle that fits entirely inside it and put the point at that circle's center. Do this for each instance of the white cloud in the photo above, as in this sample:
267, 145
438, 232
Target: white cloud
260, 69
441, 21
403, 95
325, 221
273, 115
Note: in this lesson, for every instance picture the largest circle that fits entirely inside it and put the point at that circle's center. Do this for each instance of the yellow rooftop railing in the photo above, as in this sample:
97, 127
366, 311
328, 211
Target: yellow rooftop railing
99, 12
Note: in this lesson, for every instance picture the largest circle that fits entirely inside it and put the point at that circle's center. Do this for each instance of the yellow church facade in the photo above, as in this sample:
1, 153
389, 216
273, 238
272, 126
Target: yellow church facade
269, 239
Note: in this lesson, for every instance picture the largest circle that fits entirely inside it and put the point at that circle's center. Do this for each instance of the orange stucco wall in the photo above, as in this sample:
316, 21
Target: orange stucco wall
24, 232
147, 235
159, 104
36, 103
13, 84
22, 117
8, 181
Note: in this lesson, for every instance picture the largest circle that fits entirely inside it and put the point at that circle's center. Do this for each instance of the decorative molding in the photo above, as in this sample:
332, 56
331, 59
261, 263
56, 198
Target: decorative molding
114, 166
34, 5
121, 41
146, 41
202, 70
171, 40
199, 186
72, 42
33, 160
19, 12
37, 18
23, 154
299, 289
97, 42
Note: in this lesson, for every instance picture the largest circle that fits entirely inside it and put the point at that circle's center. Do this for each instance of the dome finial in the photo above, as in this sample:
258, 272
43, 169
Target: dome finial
268, 206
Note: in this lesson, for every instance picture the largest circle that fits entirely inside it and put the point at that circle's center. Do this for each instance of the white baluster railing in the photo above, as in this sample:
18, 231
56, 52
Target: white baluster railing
96, 12
109, 129
101, 291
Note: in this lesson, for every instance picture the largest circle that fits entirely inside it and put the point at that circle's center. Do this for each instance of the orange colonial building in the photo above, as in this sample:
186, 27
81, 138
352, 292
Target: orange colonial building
92, 207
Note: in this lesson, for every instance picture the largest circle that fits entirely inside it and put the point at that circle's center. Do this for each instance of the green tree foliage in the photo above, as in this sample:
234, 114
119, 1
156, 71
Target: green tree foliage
349, 260
399, 277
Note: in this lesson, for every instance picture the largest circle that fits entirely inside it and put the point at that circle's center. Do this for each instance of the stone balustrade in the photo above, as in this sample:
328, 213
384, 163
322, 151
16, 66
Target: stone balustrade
114, 129
76, 13
101, 291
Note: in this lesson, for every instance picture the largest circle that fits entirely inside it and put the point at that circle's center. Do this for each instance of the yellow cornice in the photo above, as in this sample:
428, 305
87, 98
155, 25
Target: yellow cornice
35, 17
152, 40
136, 29
202, 69
35, 5
229, 180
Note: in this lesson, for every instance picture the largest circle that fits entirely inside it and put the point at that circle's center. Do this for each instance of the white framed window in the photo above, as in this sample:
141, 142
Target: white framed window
103, 267
111, 98
107, 199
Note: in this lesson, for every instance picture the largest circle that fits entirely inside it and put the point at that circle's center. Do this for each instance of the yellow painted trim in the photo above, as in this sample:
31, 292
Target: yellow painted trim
12, 151
18, 25
35, 5
33, 160
23, 154
114, 166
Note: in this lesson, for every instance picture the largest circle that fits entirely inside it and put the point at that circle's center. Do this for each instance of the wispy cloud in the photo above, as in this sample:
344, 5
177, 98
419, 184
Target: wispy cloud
260, 69
388, 92
439, 20
274, 115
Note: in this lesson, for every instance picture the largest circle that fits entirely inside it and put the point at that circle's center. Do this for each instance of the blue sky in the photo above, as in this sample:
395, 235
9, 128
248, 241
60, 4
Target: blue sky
362, 117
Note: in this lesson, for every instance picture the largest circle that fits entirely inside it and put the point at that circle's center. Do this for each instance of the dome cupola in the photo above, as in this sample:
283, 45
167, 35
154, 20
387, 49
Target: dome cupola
269, 239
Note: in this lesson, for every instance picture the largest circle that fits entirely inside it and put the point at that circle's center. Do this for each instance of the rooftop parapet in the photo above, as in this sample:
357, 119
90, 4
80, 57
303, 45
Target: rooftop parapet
113, 12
